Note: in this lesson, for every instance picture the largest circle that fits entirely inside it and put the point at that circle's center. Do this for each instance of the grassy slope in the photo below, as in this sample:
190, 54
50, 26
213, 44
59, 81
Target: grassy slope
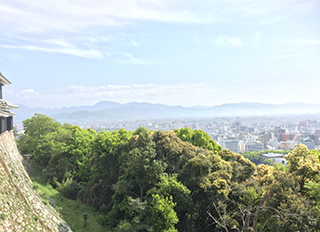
71, 211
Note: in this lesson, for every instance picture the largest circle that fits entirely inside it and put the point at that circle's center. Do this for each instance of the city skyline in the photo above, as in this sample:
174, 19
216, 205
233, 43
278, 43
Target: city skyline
58, 53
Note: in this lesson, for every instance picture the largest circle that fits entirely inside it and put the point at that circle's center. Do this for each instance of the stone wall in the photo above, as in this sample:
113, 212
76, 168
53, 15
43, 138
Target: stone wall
21, 208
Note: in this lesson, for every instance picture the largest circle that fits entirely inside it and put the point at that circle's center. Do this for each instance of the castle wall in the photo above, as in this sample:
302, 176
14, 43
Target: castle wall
21, 207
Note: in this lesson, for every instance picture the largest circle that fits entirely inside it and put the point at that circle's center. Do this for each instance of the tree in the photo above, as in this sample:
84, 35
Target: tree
69, 150
253, 214
304, 164
169, 187
137, 217
287, 209
175, 181
139, 172
139, 167
32, 141
313, 190
163, 216
269, 162
107, 148
208, 178
198, 138
242, 168
252, 156
39, 125
172, 150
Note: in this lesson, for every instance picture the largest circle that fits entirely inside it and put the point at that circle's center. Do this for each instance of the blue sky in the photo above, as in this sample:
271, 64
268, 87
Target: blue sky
178, 52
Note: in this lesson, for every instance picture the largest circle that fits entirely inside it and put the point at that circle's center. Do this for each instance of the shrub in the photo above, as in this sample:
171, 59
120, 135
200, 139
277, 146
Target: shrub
70, 189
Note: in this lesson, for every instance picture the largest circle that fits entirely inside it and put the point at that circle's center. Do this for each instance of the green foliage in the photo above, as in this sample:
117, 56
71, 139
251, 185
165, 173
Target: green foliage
251, 196
70, 189
172, 181
269, 162
70, 149
39, 125
254, 156
303, 163
70, 210
136, 216
140, 170
162, 215
198, 138
172, 151
208, 178
287, 204
169, 186
313, 190
242, 168
32, 141
103, 168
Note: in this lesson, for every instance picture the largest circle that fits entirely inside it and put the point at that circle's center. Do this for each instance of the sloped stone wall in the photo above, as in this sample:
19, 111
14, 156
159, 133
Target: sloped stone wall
21, 209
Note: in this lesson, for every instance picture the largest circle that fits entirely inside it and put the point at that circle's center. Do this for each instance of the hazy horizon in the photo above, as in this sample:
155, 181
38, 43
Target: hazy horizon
63, 53
145, 102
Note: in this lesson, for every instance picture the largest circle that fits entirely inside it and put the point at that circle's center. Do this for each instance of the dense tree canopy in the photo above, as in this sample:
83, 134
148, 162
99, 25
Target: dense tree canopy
198, 138
174, 181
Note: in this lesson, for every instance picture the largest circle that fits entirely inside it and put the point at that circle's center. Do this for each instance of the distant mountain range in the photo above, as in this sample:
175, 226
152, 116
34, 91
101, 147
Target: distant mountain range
107, 110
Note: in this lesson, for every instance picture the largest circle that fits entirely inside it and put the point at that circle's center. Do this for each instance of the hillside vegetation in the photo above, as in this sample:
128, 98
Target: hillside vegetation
72, 211
174, 180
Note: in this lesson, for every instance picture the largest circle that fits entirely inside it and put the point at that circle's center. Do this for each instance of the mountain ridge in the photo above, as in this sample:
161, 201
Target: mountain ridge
109, 110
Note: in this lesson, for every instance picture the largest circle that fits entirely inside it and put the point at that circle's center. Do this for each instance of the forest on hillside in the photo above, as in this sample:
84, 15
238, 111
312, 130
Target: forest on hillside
177, 180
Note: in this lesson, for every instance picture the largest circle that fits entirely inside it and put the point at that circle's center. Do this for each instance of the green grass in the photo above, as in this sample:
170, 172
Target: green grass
72, 211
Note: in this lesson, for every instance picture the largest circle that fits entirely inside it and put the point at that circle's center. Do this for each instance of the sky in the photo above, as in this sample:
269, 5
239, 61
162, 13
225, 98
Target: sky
176, 52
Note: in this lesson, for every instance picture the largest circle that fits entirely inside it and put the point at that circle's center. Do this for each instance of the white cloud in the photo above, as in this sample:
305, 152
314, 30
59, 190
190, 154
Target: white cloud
27, 91
63, 50
130, 59
132, 41
229, 41
59, 42
89, 20
40, 16
185, 94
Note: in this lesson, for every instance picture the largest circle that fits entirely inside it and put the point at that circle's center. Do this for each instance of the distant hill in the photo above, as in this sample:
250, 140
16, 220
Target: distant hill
107, 110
